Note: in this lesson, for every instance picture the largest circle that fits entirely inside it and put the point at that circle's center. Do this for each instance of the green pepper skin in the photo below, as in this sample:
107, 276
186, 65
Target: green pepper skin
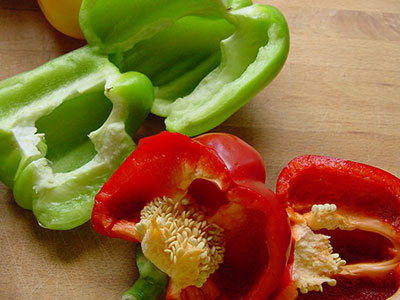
129, 22
65, 127
235, 4
206, 58
251, 58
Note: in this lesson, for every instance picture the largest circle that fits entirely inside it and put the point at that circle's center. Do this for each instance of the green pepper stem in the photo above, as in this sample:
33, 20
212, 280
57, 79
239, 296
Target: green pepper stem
151, 282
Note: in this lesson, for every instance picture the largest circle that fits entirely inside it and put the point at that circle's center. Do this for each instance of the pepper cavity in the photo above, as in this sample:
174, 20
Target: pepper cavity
314, 260
352, 241
179, 240
169, 194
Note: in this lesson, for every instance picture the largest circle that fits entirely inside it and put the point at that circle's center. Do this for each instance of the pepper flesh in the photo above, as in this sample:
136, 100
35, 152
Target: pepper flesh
206, 58
59, 195
58, 125
358, 206
224, 177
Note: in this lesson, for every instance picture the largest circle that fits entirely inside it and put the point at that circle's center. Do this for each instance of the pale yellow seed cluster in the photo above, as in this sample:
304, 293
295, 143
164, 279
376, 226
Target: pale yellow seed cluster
324, 216
314, 260
185, 226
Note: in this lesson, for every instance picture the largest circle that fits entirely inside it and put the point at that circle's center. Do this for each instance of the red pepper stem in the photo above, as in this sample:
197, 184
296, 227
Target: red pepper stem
151, 282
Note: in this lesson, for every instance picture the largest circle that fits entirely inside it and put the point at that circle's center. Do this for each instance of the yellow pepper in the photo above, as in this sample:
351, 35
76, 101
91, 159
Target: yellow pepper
63, 15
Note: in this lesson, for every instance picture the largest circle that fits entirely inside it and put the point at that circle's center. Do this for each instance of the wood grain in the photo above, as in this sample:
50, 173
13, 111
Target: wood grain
338, 95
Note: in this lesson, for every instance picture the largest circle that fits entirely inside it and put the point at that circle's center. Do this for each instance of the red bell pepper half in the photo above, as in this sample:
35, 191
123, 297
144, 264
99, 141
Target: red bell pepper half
202, 213
358, 207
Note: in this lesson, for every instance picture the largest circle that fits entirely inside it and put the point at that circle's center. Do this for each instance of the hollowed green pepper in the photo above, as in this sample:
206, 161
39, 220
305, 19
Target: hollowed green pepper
206, 58
65, 126
64, 129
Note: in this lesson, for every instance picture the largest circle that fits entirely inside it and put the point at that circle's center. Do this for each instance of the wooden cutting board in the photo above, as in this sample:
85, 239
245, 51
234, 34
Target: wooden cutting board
338, 95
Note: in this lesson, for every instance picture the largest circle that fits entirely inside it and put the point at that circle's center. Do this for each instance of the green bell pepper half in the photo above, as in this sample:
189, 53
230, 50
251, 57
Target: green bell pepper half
206, 58
65, 127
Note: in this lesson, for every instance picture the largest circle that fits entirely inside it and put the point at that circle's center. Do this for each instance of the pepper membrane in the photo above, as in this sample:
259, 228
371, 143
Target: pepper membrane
206, 58
58, 127
345, 225
207, 199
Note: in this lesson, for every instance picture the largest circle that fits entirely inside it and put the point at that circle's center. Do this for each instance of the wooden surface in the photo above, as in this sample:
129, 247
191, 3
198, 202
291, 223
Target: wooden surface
338, 95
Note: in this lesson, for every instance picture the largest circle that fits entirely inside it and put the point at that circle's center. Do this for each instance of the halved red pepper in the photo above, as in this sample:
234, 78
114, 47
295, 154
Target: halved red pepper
358, 207
217, 180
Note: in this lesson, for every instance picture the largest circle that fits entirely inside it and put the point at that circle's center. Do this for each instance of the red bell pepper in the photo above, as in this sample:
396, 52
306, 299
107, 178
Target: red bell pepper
216, 180
358, 207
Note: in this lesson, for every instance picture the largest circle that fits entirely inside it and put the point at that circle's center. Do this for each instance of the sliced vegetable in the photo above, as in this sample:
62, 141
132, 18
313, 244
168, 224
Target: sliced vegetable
64, 129
58, 132
345, 223
206, 59
202, 213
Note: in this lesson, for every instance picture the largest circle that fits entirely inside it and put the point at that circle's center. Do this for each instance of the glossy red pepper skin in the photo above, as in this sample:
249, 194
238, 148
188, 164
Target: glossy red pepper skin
358, 190
225, 176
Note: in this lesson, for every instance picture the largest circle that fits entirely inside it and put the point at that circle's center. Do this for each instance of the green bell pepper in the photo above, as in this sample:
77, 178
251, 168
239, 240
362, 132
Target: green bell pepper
65, 127
206, 58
